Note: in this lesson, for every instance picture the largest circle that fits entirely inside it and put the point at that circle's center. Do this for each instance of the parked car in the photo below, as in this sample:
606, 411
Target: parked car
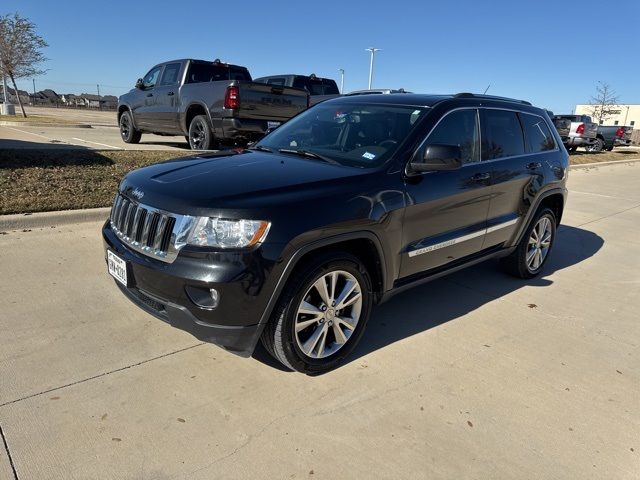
610, 136
375, 91
563, 126
320, 89
210, 103
583, 131
294, 240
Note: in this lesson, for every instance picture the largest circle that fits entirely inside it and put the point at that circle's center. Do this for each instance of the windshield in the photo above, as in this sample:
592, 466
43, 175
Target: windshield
358, 135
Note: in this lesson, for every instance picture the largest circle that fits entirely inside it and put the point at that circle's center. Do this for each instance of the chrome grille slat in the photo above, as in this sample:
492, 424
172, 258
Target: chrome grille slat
157, 238
145, 229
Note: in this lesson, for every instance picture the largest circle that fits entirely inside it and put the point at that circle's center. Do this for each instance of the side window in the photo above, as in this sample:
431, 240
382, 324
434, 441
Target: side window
151, 78
459, 128
502, 134
301, 82
539, 138
170, 74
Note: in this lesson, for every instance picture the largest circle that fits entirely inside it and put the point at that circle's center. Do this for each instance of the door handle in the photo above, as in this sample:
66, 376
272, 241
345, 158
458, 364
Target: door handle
149, 94
534, 165
170, 94
479, 177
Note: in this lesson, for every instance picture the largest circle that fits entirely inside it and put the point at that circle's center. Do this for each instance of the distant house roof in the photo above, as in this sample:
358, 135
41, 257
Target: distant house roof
90, 97
48, 93
11, 91
110, 98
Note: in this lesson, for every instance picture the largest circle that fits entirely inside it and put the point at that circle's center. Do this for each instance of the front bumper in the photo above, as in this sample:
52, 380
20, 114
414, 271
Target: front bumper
241, 278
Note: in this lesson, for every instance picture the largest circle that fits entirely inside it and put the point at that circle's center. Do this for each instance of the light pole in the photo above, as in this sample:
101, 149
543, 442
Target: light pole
626, 115
341, 70
373, 53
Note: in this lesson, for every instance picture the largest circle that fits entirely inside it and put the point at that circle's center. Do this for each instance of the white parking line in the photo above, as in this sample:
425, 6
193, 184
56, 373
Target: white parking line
54, 140
97, 143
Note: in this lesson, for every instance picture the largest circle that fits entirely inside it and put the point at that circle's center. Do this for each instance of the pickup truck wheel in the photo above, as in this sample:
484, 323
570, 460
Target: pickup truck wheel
200, 134
532, 252
596, 147
321, 314
127, 131
609, 148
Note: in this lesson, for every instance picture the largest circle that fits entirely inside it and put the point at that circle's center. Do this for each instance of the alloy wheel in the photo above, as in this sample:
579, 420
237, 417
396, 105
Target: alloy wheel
198, 136
125, 127
539, 244
328, 314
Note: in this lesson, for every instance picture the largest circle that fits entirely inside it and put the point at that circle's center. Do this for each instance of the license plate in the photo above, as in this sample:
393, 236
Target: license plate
271, 125
117, 267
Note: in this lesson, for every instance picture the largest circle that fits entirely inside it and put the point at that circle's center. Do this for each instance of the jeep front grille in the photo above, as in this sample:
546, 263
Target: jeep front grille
145, 229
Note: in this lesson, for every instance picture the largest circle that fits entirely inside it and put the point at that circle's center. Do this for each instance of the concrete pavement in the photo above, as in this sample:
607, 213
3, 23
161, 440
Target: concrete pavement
477, 375
97, 138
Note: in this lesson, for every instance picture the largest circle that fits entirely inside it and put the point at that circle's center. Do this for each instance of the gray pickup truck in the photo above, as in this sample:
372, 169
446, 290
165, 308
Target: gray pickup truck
609, 136
210, 103
583, 131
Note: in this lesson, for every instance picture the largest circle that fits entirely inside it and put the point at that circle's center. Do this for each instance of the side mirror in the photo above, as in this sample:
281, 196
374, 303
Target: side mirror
139, 84
438, 157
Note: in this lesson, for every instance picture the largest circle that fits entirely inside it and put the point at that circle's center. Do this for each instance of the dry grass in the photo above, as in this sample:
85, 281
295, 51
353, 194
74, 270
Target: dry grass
622, 153
47, 180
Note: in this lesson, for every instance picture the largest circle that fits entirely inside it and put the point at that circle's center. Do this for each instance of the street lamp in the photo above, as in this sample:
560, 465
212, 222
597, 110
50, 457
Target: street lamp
341, 70
373, 52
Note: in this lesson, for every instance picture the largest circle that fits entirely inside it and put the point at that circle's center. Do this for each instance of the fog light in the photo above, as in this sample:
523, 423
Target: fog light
207, 298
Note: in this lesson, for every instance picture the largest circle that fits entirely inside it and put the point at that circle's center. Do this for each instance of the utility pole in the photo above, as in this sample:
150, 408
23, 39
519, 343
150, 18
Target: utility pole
625, 115
34, 90
341, 70
99, 102
373, 52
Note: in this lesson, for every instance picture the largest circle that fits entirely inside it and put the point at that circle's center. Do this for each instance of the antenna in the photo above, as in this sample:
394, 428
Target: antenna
485, 90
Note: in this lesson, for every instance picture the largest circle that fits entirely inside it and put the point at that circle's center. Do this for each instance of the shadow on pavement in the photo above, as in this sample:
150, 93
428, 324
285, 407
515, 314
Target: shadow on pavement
440, 301
23, 154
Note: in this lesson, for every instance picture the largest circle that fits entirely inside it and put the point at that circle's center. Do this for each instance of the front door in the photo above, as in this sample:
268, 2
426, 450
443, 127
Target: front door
165, 107
445, 219
142, 104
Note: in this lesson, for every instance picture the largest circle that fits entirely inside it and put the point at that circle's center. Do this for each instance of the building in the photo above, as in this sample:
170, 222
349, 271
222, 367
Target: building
11, 95
625, 115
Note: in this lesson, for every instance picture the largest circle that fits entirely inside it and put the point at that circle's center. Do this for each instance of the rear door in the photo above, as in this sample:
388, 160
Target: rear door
164, 113
514, 144
445, 219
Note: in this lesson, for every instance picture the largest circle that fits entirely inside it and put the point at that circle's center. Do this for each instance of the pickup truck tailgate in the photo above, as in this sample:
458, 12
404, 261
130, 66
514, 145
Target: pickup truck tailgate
272, 102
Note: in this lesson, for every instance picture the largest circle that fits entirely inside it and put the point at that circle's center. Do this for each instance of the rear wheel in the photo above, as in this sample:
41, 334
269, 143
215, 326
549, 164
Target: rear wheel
127, 131
572, 149
200, 134
532, 252
321, 314
596, 147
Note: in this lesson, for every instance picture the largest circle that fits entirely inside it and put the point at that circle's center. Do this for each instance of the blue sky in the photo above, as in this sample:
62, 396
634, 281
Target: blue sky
551, 53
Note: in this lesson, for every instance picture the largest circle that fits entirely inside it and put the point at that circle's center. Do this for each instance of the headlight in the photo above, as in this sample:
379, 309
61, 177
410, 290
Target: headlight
217, 232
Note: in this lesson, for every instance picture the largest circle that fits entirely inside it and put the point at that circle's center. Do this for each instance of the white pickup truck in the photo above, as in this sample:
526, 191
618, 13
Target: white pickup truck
583, 131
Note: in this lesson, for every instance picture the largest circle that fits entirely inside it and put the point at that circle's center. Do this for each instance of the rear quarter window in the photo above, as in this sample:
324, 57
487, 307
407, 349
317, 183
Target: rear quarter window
539, 137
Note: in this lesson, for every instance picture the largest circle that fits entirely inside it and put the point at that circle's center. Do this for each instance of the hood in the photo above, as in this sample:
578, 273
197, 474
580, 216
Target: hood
237, 181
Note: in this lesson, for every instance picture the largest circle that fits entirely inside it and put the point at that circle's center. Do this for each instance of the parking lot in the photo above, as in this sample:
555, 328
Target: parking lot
476, 375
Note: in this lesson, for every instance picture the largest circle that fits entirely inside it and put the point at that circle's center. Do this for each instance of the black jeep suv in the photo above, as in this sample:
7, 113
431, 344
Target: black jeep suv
295, 239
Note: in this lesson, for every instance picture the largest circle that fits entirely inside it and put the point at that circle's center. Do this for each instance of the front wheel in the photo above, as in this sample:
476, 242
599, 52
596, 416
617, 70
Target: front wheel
527, 260
200, 134
321, 314
596, 147
127, 131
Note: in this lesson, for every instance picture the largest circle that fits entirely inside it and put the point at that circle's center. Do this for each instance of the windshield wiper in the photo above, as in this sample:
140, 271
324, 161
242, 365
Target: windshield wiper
261, 148
307, 153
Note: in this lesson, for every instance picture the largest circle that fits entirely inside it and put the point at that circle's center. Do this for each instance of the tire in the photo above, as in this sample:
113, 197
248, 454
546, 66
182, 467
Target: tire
596, 147
572, 149
609, 148
517, 263
298, 350
127, 131
200, 134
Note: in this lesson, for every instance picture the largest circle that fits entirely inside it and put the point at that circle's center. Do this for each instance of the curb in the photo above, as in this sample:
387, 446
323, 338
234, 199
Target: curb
602, 164
22, 221
41, 124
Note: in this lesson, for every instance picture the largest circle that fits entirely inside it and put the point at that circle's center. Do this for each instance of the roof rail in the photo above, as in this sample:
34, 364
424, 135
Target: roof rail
492, 97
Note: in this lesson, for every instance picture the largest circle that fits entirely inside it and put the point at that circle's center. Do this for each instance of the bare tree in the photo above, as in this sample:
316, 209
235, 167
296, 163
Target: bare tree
604, 103
20, 50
